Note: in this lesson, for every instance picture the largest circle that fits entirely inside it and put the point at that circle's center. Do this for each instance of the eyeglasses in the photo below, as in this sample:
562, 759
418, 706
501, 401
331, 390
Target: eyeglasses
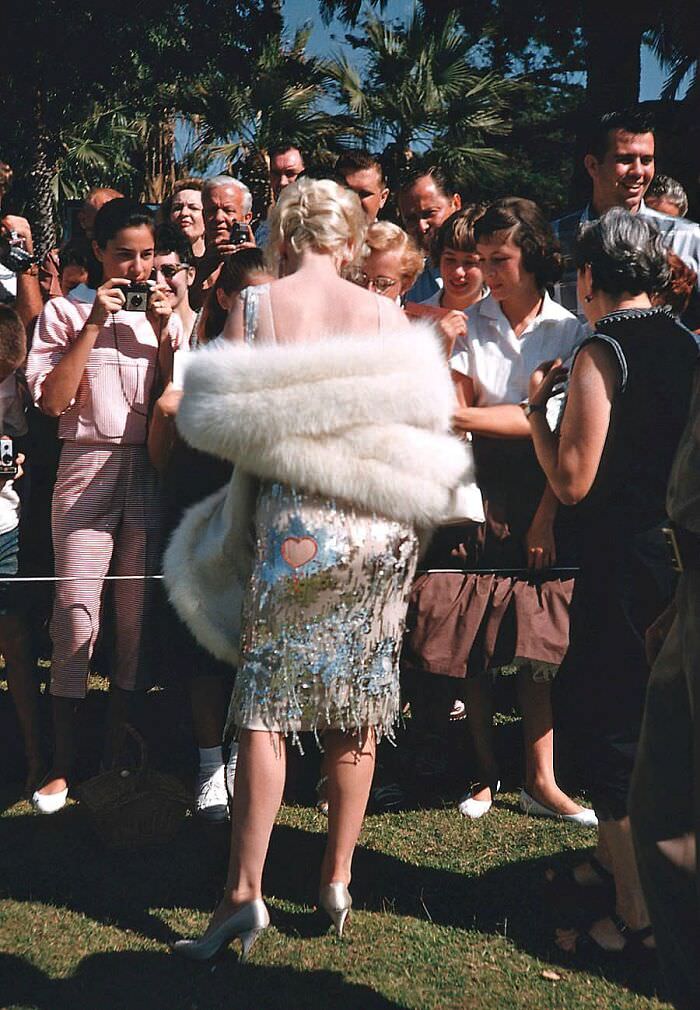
168, 270
378, 284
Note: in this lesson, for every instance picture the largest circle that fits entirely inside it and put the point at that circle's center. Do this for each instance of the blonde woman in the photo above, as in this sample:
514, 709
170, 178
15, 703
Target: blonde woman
390, 261
338, 428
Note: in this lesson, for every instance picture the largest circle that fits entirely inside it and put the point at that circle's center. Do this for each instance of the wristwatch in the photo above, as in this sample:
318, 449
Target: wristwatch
533, 408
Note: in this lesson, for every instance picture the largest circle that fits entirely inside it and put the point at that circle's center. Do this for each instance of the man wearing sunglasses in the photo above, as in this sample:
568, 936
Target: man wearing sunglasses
174, 267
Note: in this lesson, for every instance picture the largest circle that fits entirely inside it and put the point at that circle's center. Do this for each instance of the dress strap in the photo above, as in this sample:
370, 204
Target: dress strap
258, 321
380, 300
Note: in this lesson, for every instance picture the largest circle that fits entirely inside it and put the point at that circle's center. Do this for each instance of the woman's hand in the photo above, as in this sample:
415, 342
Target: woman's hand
540, 545
451, 326
109, 298
159, 309
543, 380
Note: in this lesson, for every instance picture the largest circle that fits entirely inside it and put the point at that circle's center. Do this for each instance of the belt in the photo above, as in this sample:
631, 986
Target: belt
684, 547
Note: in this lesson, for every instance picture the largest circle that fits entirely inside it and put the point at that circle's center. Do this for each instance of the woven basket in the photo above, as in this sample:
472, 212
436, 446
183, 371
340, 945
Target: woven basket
132, 808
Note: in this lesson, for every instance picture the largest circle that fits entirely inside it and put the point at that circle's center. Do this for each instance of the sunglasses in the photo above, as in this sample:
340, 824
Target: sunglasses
168, 270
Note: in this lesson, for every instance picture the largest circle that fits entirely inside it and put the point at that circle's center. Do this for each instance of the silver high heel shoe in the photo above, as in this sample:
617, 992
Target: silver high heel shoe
336, 901
246, 923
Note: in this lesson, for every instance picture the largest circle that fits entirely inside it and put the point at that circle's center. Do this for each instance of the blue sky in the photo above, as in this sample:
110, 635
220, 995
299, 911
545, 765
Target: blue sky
328, 39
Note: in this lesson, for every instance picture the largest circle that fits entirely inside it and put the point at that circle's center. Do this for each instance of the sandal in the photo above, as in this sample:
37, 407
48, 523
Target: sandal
634, 949
565, 876
579, 904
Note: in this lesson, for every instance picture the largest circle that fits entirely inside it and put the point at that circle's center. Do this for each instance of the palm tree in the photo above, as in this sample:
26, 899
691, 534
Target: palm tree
283, 100
421, 90
676, 42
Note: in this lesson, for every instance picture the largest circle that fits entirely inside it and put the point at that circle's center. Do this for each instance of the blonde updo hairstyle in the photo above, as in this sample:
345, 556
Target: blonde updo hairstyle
320, 215
385, 236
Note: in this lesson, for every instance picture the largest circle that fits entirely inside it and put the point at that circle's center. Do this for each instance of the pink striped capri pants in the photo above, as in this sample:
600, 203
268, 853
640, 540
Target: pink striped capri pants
105, 513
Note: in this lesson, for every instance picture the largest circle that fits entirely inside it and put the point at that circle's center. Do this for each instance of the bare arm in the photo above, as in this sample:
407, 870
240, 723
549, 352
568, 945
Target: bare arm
161, 432
571, 461
505, 420
29, 302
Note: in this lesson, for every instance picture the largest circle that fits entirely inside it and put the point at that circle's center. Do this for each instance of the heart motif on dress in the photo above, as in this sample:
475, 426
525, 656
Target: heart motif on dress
298, 551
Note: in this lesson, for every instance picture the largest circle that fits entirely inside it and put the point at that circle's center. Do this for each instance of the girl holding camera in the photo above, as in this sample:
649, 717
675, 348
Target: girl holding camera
94, 365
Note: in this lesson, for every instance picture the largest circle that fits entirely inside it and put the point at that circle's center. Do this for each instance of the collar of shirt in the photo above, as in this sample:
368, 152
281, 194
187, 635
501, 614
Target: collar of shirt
551, 311
82, 293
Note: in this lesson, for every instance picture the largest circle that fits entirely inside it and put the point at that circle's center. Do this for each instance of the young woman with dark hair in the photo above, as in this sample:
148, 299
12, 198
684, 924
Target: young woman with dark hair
94, 365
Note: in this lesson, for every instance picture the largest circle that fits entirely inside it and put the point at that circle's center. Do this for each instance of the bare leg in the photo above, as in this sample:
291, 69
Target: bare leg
480, 721
629, 898
538, 734
20, 668
350, 769
64, 712
209, 697
260, 775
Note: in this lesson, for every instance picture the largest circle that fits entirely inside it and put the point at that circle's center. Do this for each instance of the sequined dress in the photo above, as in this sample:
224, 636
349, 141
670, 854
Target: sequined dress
324, 612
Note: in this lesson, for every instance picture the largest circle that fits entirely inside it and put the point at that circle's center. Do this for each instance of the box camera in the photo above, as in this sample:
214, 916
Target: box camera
136, 297
239, 233
8, 466
13, 254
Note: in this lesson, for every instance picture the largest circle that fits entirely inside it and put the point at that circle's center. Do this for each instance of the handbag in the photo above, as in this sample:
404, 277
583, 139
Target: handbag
131, 808
466, 504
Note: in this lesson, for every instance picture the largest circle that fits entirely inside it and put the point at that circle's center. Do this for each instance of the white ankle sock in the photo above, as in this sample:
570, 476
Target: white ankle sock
210, 758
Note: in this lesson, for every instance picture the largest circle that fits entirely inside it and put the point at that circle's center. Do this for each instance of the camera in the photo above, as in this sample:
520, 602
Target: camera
136, 297
13, 255
239, 233
8, 466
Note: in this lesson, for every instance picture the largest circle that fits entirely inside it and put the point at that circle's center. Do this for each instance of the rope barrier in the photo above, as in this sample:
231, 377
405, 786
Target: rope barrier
529, 572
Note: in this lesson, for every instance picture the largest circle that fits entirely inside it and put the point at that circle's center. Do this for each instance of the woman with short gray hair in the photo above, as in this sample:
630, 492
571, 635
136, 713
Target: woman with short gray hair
627, 403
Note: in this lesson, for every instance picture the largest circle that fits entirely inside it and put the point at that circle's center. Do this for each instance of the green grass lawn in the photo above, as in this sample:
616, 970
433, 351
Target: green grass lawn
448, 914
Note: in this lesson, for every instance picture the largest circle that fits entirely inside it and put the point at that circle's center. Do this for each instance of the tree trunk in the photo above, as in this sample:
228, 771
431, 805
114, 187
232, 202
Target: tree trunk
159, 160
613, 33
41, 169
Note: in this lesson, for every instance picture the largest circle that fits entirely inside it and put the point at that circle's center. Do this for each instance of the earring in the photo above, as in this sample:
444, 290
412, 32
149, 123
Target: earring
588, 298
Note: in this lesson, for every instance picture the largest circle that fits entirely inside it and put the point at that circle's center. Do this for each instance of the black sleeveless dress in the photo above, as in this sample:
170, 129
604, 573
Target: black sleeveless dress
626, 577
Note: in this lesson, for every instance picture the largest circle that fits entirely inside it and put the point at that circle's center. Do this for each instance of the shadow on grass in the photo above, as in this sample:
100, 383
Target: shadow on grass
122, 981
56, 861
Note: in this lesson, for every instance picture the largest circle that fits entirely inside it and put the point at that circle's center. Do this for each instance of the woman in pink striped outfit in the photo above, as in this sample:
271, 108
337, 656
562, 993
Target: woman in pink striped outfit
95, 366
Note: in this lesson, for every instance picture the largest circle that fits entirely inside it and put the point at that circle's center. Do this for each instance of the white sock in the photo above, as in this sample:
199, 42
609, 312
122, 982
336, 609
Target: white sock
210, 758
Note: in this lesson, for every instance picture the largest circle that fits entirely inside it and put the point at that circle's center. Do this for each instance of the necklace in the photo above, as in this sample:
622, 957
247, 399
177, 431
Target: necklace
130, 403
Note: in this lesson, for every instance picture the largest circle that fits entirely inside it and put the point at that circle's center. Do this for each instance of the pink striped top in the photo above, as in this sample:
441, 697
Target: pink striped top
114, 395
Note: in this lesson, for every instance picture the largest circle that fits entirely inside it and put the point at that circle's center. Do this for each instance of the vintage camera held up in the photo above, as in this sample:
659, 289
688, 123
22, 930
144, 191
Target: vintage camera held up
136, 297
8, 466
13, 254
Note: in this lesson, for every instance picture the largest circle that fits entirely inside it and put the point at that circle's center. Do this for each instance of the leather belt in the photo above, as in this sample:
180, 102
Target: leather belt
684, 547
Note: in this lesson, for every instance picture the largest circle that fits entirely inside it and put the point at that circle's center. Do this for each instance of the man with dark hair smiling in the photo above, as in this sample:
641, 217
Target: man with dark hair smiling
427, 198
619, 159
362, 172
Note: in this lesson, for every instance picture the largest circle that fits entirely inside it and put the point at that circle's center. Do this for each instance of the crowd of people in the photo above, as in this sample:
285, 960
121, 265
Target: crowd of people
452, 436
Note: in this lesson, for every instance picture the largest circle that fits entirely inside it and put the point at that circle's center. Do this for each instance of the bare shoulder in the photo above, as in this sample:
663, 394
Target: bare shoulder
596, 365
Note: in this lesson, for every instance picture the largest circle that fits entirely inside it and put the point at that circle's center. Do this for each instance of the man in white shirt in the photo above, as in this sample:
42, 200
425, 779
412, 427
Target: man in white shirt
620, 162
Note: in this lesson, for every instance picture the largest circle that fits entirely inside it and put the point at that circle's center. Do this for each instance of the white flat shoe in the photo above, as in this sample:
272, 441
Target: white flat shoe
246, 923
529, 805
474, 809
49, 803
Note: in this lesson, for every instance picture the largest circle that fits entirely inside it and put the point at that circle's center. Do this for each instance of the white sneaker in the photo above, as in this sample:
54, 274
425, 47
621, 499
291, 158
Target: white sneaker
474, 809
211, 799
